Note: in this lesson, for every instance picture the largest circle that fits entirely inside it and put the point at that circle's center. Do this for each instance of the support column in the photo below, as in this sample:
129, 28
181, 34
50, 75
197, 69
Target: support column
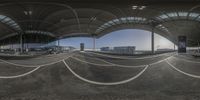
174, 47
24, 43
152, 41
94, 43
198, 46
21, 43
58, 42
12, 46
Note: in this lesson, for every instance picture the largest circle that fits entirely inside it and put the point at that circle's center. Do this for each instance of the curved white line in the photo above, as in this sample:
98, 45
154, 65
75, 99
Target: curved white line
103, 83
91, 62
21, 75
98, 59
111, 64
160, 61
32, 65
52, 63
55, 62
17, 64
50, 56
187, 60
187, 74
127, 57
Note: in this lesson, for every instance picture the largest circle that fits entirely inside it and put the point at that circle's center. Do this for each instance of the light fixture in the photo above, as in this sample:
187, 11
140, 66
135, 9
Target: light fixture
138, 7
134, 7
93, 18
142, 7
163, 27
25, 12
28, 12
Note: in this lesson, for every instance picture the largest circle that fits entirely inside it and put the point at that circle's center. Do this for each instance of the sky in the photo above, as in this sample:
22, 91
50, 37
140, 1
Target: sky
128, 37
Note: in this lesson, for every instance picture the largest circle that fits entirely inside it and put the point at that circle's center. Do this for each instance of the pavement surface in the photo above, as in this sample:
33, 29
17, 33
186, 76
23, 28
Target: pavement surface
92, 76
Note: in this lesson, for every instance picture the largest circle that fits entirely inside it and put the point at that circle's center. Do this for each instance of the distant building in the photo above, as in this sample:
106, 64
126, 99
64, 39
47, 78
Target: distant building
105, 49
119, 50
67, 48
124, 50
165, 50
58, 48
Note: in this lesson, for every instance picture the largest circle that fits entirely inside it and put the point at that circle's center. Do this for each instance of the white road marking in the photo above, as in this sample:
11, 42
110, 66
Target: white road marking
190, 61
105, 83
187, 74
17, 64
160, 61
127, 57
98, 59
50, 56
91, 62
20, 65
27, 73
21, 75
118, 65
86, 80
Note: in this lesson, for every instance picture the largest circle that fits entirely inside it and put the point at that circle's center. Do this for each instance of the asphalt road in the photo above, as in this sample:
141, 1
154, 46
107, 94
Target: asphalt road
89, 76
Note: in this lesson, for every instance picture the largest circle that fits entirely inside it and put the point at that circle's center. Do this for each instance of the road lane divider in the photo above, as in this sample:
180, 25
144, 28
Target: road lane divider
118, 65
190, 61
105, 83
117, 57
20, 65
182, 72
21, 75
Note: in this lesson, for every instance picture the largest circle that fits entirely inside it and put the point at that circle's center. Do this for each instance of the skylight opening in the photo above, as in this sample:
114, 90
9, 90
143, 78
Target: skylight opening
164, 16
183, 14
123, 20
8, 21
193, 15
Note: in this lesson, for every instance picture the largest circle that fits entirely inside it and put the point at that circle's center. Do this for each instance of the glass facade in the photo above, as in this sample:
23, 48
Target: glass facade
8, 21
179, 15
123, 20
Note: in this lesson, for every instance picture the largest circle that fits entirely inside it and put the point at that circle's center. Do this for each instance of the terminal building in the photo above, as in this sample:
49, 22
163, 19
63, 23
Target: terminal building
129, 50
165, 50
124, 50
105, 49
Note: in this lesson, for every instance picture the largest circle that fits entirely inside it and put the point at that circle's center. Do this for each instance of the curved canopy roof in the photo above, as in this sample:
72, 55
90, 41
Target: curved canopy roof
61, 18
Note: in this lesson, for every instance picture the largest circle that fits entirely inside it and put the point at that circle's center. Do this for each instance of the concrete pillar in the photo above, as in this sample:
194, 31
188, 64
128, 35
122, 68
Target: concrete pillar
24, 42
58, 42
12, 46
174, 47
21, 43
152, 41
198, 46
94, 43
